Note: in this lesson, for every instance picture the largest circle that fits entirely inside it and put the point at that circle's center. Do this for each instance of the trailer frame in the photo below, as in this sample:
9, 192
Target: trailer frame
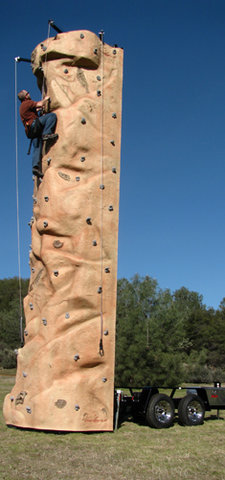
159, 409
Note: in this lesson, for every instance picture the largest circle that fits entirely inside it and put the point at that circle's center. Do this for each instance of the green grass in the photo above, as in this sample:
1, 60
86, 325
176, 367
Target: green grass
134, 452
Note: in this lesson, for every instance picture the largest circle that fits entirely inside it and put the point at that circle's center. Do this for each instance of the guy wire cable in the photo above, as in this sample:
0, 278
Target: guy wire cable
17, 209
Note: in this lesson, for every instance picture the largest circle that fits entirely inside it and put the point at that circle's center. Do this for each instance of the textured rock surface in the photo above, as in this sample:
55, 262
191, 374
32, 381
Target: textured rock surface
63, 381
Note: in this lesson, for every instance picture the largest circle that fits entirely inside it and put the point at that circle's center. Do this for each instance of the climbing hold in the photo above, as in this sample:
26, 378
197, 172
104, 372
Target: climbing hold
82, 159
104, 379
112, 143
114, 52
24, 374
114, 170
76, 357
46, 199
16, 351
107, 270
83, 121
110, 208
33, 270
56, 273
44, 321
66, 70
88, 221
45, 223
57, 244
43, 47
31, 306
30, 223
95, 51
98, 78
94, 243
82, 36
106, 332
77, 179
20, 398
11, 398
25, 333
49, 161
34, 200
28, 409
99, 93
64, 176
67, 315
61, 403
114, 115
77, 407
99, 289
102, 187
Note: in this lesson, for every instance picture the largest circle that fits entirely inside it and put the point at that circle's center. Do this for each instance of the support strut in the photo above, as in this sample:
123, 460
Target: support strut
53, 25
21, 59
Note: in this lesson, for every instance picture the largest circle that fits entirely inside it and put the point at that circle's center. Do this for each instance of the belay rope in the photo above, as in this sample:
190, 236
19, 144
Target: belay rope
45, 59
101, 349
17, 211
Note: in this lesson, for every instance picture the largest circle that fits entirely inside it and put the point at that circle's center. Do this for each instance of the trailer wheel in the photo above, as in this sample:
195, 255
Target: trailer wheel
160, 411
191, 410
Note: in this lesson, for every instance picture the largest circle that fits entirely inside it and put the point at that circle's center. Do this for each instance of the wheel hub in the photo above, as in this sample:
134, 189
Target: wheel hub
163, 412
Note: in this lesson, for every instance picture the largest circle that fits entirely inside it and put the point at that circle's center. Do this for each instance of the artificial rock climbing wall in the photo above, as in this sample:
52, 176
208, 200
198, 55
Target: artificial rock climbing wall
65, 372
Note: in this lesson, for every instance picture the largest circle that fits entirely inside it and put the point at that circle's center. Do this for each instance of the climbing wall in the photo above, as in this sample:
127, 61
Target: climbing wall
65, 371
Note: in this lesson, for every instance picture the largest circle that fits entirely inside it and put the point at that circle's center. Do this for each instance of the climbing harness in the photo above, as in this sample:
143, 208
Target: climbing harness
101, 36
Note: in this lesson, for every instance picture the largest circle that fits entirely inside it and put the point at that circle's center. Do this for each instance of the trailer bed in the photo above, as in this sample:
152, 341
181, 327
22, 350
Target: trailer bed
158, 406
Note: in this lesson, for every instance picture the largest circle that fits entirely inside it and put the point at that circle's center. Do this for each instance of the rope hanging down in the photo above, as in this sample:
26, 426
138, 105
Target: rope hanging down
101, 36
17, 209
45, 59
52, 24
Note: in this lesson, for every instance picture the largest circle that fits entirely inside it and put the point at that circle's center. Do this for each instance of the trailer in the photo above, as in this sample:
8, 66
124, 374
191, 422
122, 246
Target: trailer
158, 409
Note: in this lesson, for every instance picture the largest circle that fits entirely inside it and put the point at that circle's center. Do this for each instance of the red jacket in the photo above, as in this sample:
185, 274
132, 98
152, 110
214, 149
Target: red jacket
28, 113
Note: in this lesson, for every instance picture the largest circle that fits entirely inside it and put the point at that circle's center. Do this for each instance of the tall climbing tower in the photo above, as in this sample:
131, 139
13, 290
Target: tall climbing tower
65, 371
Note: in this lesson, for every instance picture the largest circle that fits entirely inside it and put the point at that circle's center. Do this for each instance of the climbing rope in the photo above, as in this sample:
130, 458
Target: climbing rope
17, 210
101, 349
45, 60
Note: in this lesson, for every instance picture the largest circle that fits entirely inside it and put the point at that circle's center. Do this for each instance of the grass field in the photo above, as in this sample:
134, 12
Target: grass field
132, 452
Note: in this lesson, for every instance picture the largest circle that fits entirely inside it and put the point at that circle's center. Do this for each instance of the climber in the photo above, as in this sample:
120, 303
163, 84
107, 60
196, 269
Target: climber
38, 128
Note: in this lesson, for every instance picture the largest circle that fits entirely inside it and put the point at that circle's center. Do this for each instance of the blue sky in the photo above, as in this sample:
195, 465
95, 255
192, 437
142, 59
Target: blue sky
173, 144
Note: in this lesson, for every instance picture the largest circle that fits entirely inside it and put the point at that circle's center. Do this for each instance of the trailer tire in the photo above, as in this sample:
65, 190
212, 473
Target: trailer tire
160, 411
191, 410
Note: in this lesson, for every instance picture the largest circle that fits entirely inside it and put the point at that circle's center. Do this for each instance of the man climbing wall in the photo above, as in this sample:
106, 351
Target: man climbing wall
39, 128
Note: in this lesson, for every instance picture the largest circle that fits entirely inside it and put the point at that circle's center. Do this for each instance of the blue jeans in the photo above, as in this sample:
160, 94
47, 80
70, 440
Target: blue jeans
48, 122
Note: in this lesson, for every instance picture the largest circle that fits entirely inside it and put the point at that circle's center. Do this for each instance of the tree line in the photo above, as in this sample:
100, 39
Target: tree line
166, 338
162, 338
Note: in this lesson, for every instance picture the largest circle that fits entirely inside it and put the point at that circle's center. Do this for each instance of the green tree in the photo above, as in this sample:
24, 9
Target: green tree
10, 319
149, 331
